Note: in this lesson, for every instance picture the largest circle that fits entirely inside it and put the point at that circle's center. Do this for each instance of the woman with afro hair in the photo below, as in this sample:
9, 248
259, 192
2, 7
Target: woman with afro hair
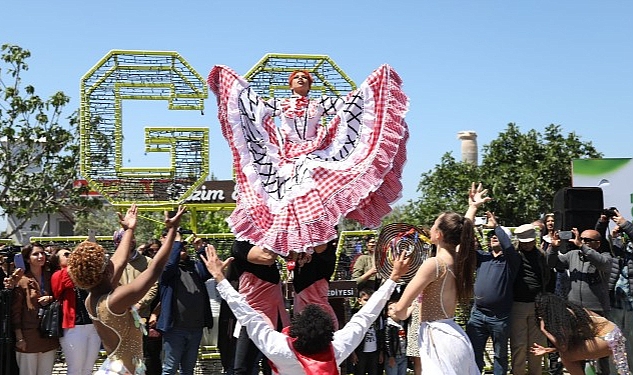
578, 334
110, 304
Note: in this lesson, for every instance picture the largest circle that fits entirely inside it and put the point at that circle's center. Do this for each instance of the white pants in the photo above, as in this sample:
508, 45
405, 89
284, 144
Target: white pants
36, 363
81, 346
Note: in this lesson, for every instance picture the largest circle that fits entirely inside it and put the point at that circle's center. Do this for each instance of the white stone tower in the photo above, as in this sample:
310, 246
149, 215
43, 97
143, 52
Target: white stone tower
469, 146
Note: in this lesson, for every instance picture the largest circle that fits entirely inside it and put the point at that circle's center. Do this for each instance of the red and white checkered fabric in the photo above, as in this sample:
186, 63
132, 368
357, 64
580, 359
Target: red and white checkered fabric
292, 194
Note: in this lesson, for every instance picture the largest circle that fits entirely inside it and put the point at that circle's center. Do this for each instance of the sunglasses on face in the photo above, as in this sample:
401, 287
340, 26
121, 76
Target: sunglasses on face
65, 254
588, 240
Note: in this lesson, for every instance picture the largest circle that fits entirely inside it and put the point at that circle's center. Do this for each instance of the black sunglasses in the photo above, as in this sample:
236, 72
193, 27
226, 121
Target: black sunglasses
587, 240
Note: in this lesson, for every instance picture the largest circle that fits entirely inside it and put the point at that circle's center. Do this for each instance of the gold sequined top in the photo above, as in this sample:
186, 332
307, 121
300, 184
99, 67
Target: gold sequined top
129, 350
430, 309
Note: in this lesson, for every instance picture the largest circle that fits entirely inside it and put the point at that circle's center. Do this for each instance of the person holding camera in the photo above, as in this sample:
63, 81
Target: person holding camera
589, 270
185, 308
533, 278
621, 276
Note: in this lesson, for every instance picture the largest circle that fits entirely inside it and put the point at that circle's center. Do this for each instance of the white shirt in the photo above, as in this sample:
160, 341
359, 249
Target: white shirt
274, 344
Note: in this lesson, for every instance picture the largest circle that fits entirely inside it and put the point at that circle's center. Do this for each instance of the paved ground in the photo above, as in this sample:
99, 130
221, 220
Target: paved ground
209, 364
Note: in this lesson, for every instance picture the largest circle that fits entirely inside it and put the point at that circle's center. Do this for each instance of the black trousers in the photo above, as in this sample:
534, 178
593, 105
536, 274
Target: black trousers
247, 357
8, 364
152, 348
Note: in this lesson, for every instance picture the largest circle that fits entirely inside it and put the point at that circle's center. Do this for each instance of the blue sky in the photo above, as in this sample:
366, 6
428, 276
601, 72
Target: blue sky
466, 65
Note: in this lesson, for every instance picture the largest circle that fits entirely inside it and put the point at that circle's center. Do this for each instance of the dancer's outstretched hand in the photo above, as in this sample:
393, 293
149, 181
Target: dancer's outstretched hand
539, 350
174, 221
477, 195
129, 220
400, 266
214, 264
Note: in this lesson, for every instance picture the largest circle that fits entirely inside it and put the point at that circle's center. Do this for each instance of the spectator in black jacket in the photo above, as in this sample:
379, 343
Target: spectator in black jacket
395, 343
185, 309
369, 354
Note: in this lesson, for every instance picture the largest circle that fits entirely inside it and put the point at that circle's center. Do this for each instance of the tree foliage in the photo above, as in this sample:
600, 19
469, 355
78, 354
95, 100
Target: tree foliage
441, 189
38, 155
104, 221
523, 171
213, 222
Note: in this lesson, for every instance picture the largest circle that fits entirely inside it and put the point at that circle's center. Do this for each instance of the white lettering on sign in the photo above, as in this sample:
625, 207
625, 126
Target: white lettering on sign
340, 293
204, 195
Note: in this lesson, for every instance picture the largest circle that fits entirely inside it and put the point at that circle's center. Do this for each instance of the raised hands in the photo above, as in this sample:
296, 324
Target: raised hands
11, 281
214, 264
555, 238
174, 221
618, 218
492, 220
400, 266
576, 237
477, 195
129, 220
476, 198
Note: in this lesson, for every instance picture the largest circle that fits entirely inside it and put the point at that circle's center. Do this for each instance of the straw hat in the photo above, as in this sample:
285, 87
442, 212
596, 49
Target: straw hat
396, 238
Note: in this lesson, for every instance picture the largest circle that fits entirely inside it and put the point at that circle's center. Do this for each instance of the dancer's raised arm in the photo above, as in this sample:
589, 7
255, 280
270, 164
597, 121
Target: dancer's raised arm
476, 198
122, 253
127, 295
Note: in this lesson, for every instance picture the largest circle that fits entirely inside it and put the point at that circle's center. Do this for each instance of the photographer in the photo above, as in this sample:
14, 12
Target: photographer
621, 277
589, 273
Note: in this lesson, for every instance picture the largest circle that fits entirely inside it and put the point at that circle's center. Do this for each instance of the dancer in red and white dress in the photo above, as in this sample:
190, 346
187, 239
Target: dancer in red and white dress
297, 180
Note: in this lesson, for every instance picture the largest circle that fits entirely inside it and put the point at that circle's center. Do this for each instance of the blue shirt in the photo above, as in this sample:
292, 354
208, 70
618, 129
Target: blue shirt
495, 278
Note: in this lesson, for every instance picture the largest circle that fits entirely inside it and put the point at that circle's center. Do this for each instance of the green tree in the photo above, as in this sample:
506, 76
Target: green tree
38, 155
104, 221
213, 222
444, 188
524, 170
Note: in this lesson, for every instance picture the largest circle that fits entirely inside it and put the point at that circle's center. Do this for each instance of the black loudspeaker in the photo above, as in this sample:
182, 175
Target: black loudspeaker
577, 207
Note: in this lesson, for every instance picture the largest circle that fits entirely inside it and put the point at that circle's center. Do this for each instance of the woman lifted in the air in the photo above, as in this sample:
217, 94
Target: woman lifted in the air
296, 180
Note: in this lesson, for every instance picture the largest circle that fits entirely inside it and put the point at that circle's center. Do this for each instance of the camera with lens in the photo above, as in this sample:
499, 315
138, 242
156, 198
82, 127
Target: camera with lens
565, 235
184, 231
610, 212
8, 252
